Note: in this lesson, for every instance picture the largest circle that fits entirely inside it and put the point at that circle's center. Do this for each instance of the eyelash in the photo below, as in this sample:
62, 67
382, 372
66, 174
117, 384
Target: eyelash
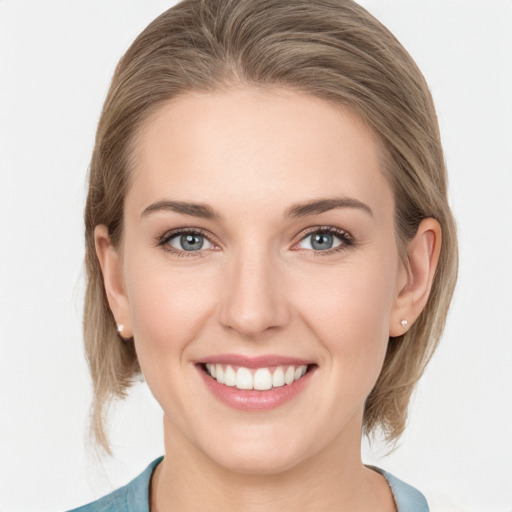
165, 239
346, 239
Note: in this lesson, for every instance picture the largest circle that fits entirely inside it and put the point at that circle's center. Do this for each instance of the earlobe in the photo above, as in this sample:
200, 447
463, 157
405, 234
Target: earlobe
111, 268
422, 259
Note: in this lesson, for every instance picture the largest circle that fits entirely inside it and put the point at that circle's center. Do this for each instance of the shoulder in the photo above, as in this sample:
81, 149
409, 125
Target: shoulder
407, 498
133, 497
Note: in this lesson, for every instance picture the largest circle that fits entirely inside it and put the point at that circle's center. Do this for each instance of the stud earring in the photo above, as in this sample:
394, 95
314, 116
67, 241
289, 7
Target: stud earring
404, 323
120, 328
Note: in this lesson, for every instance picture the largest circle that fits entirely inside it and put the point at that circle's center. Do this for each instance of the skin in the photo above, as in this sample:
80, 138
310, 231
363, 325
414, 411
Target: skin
257, 287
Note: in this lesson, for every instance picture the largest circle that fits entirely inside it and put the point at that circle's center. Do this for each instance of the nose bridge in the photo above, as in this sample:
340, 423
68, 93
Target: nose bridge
254, 298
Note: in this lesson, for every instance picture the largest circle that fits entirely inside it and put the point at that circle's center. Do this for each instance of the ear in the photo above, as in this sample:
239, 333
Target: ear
415, 276
111, 268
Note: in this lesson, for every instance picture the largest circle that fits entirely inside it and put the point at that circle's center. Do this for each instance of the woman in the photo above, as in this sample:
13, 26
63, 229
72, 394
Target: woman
269, 243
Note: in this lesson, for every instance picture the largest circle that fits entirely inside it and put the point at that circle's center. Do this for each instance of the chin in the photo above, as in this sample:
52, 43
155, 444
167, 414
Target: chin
264, 457
261, 464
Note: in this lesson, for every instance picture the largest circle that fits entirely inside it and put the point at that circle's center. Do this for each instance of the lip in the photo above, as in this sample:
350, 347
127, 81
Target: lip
255, 362
253, 400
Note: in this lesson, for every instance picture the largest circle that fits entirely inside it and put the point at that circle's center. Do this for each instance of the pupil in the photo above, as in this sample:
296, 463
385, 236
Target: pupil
191, 242
322, 241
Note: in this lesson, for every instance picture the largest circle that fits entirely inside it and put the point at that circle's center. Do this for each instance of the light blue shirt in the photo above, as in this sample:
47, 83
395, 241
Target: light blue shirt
134, 497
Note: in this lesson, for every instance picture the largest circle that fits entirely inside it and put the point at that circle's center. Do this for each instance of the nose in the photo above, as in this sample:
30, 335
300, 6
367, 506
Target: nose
254, 299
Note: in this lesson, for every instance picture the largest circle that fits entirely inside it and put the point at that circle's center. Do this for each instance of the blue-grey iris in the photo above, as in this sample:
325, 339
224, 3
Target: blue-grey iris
191, 242
321, 241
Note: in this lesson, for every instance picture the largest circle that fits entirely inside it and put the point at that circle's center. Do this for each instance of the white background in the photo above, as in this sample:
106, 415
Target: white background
56, 60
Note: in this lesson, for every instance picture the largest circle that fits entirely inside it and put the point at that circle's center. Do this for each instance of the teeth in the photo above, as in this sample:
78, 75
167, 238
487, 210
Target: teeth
299, 372
243, 378
230, 377
278, 378
262, 378
219, 373
211, 369
289, 376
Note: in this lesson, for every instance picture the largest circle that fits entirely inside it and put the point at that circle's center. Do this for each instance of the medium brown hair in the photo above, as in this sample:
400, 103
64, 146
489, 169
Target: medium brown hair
332, 49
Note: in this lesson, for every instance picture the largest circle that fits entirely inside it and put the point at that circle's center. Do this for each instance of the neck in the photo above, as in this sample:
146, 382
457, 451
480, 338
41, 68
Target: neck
334, 479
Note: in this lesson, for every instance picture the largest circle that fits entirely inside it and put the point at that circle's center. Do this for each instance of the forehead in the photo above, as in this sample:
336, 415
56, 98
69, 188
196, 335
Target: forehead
253, 146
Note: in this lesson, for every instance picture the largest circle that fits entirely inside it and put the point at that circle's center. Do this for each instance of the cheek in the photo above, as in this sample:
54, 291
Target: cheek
349, 310
168, 308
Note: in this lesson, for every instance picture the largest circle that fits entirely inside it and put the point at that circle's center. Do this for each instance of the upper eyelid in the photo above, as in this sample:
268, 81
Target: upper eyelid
327, 229
179, 231
342, 233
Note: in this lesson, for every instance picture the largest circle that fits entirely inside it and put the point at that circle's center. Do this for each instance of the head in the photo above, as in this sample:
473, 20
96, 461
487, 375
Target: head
321, 54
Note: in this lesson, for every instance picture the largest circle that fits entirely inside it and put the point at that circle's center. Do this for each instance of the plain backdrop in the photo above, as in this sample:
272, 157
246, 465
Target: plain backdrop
56, 60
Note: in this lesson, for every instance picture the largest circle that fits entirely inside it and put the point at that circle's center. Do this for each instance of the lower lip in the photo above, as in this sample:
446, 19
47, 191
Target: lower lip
252, 400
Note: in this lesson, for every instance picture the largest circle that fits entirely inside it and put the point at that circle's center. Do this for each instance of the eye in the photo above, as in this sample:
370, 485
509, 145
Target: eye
326, 239
186, 241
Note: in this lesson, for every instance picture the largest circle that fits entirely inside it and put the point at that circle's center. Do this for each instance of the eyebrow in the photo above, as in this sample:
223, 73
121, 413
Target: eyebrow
305, 209
317, 206
194, 209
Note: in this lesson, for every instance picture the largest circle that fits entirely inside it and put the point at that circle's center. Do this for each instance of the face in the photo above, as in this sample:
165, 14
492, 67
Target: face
259, 237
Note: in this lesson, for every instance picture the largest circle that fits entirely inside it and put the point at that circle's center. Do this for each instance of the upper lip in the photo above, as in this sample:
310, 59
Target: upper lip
255, 361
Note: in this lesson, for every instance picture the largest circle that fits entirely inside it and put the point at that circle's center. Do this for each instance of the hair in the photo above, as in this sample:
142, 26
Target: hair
331, 49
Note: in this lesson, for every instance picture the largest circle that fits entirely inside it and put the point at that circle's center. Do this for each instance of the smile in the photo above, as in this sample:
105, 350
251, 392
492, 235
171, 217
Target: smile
260, 379
256, 383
